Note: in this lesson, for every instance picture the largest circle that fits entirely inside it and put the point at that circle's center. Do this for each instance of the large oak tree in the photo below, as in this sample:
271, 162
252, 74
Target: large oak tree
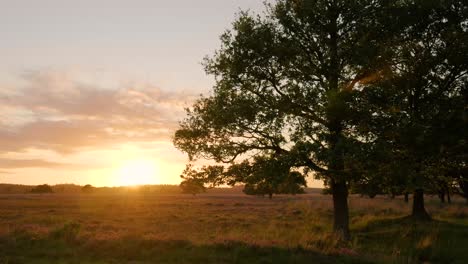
284, 85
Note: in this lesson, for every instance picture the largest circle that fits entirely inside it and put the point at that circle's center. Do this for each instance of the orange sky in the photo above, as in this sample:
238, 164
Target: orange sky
90, 90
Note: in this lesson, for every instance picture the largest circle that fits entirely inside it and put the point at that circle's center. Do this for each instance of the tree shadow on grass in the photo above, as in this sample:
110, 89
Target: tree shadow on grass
407, 240
134, 250
408, 222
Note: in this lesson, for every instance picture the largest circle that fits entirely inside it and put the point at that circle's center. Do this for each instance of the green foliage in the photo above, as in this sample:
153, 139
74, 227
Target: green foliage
293, 184
43, 188
280, 88
285, 84
192, 186
462, 180
416, 117
267, 176
370, 94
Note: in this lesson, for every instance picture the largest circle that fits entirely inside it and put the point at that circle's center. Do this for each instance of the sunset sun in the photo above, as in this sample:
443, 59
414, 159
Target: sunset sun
137, 172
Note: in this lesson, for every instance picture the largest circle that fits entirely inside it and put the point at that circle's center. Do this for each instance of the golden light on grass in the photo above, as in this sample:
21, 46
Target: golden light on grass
137, 172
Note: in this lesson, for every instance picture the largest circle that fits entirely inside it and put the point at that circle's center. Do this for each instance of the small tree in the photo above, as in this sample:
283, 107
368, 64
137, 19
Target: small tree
192, 186
294, 183
43, 188
267, 176
261, 188
88, 188
193, 182
462, 182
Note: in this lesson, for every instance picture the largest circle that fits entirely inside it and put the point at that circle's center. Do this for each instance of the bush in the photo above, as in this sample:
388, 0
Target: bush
88, 188
43, 188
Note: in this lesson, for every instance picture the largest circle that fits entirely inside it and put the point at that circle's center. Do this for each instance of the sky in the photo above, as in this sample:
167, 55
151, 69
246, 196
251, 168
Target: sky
91, 91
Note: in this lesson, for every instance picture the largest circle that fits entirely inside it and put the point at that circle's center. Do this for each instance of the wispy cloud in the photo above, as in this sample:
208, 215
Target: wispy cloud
35, 163
52, 111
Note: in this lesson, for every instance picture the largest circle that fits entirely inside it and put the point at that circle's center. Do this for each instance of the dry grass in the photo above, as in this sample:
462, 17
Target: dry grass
219, 228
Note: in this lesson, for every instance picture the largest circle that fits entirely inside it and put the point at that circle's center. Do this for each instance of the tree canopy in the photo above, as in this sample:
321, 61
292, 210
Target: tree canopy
321, 87
417, 116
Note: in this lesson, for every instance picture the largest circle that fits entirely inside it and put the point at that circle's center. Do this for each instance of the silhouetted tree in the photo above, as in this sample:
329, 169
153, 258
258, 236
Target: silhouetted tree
463, 184
193, 181
263, 176
43, 188
294, 183
88, 188
261, 188
320, 85
461, 178
192, 186
267, 176
368, 187
284, 86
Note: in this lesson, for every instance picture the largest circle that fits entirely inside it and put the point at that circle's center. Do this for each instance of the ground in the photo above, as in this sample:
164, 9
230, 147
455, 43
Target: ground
138, 227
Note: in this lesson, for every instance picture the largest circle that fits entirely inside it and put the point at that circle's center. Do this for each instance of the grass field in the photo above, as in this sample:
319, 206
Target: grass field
223, 228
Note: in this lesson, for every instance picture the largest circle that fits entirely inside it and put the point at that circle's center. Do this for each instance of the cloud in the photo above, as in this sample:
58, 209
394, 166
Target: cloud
55, 112
34, 163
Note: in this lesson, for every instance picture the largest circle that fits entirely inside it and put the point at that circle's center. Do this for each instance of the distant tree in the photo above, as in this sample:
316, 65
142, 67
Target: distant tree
463, 185
261, 188
193, 182
461, 182
88, 188
192, 186
367, 187
294, 183
383, 175
441, 184
44, 188
267, 176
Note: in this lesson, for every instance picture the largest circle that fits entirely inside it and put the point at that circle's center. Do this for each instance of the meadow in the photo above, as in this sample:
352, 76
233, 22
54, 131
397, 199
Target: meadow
135, 227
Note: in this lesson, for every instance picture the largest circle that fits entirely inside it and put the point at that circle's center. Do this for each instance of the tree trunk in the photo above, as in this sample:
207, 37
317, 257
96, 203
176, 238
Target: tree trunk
419, 211
270, 196
406, 197
442, 196
340, 210
338, 184
446, 190
463, 183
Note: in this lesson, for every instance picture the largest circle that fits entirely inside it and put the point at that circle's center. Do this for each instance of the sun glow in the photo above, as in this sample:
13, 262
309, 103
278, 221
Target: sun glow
137, 172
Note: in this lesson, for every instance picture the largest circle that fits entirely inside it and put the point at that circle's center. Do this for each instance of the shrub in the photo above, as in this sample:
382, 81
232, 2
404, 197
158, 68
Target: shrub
88, 188
43, 188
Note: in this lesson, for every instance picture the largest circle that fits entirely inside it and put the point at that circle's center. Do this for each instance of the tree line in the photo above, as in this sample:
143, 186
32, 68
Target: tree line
88, 188
368, 96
